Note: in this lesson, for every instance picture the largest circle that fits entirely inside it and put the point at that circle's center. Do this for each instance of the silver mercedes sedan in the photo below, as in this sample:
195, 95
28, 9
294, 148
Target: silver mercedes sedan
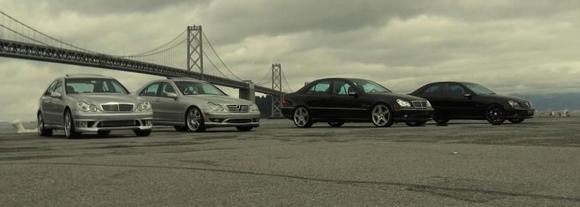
194, 105
92, 103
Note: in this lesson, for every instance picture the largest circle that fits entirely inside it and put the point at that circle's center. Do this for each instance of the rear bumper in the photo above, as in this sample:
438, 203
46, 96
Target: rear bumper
232, 119
112, 121
413, 115
520, 113
287, 112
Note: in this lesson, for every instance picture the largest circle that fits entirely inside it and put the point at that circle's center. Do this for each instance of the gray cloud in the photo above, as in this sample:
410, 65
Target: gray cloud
511, 46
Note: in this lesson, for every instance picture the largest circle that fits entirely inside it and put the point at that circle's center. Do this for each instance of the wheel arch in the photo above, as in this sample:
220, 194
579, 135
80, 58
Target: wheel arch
190, 107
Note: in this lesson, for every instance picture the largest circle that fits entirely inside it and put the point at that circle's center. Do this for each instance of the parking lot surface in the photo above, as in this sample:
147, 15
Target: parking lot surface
463, 164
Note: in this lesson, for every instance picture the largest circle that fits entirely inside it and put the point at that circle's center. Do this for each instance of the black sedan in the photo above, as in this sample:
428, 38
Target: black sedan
340, 100
461, 100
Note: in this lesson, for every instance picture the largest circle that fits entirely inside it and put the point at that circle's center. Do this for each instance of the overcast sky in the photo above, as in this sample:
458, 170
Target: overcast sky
511, 46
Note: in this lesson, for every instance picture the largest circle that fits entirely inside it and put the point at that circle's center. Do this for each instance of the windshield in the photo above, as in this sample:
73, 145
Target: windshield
190, 88
479, 89
370, 86
94, 85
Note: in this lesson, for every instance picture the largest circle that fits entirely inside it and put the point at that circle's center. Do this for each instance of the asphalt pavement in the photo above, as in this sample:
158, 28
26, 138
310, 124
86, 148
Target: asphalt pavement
467, 163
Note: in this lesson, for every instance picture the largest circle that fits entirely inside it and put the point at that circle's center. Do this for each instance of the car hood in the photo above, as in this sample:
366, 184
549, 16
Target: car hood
505, 97
227, 100
401, 96
106, 98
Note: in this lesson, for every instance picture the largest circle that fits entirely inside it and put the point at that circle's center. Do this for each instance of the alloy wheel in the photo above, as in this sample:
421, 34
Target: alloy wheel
495, 115
194, 120
302, 118
381, 116
42, 131
68, 125
40, 126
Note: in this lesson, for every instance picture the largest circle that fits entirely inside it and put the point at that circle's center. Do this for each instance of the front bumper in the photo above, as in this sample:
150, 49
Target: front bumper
413, 115
250, 119
520, 113
93, 122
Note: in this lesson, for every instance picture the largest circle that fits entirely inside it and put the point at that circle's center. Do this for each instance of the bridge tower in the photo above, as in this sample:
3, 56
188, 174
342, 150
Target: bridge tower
195, 49
277, 86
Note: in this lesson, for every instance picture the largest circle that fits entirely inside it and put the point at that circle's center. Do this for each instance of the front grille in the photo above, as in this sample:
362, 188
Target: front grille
239, 121
419, 104
117, 107
122, 123
238, 108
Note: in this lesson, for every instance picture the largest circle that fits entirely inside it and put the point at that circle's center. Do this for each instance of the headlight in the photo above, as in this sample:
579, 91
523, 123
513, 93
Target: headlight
403, 103
86, 107
143, 106
254, 108
514, 104
214, 107
429, 104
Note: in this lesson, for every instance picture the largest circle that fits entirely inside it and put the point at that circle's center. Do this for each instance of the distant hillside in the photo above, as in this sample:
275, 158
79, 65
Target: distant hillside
553, 102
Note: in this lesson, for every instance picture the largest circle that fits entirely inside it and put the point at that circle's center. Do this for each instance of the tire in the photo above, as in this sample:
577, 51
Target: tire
495, 115
244, 128
180, 128
104, 133
69, 126
42, 130
416, 123
517, 120
194, 120
302, 118
441, 121
335, 124
382, 116
142, 133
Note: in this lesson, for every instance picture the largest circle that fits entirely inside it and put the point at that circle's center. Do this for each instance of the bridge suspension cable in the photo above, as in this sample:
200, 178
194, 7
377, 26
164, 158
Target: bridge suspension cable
286, 81
159, 49
264, 80
219, 58
42, 34
213, 64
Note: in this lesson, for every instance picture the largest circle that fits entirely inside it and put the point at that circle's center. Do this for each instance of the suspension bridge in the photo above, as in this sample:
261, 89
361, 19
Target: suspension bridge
181, 56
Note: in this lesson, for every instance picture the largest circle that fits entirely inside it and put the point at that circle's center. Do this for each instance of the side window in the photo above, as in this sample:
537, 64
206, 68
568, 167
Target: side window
151, 90
456, 90
434, 89
166, 88
343, 88
50, 88
320, 88
59, 87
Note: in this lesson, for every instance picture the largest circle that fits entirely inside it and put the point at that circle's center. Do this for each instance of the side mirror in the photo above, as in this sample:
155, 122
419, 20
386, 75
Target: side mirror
468, 95
353, 94
55, 95
172, 95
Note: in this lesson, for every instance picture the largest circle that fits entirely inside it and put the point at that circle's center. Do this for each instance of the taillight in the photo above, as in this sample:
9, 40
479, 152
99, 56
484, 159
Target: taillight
286, 103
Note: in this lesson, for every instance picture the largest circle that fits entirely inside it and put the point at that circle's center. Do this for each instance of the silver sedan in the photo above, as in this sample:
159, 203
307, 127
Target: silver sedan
194, 105
92, 103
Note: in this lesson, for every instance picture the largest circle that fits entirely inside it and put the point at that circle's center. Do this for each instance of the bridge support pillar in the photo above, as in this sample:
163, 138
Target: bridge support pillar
249, 93
276, 85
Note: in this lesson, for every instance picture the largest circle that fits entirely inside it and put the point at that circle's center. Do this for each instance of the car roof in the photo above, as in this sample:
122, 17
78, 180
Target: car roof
351, 79
182, 79
458, 82
86, 76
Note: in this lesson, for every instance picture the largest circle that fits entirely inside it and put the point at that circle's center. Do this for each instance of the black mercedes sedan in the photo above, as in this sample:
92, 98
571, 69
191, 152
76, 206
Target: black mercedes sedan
340, 100
462, 100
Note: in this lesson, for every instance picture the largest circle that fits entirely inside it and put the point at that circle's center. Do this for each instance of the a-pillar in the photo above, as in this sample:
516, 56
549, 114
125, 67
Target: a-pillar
248, 93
